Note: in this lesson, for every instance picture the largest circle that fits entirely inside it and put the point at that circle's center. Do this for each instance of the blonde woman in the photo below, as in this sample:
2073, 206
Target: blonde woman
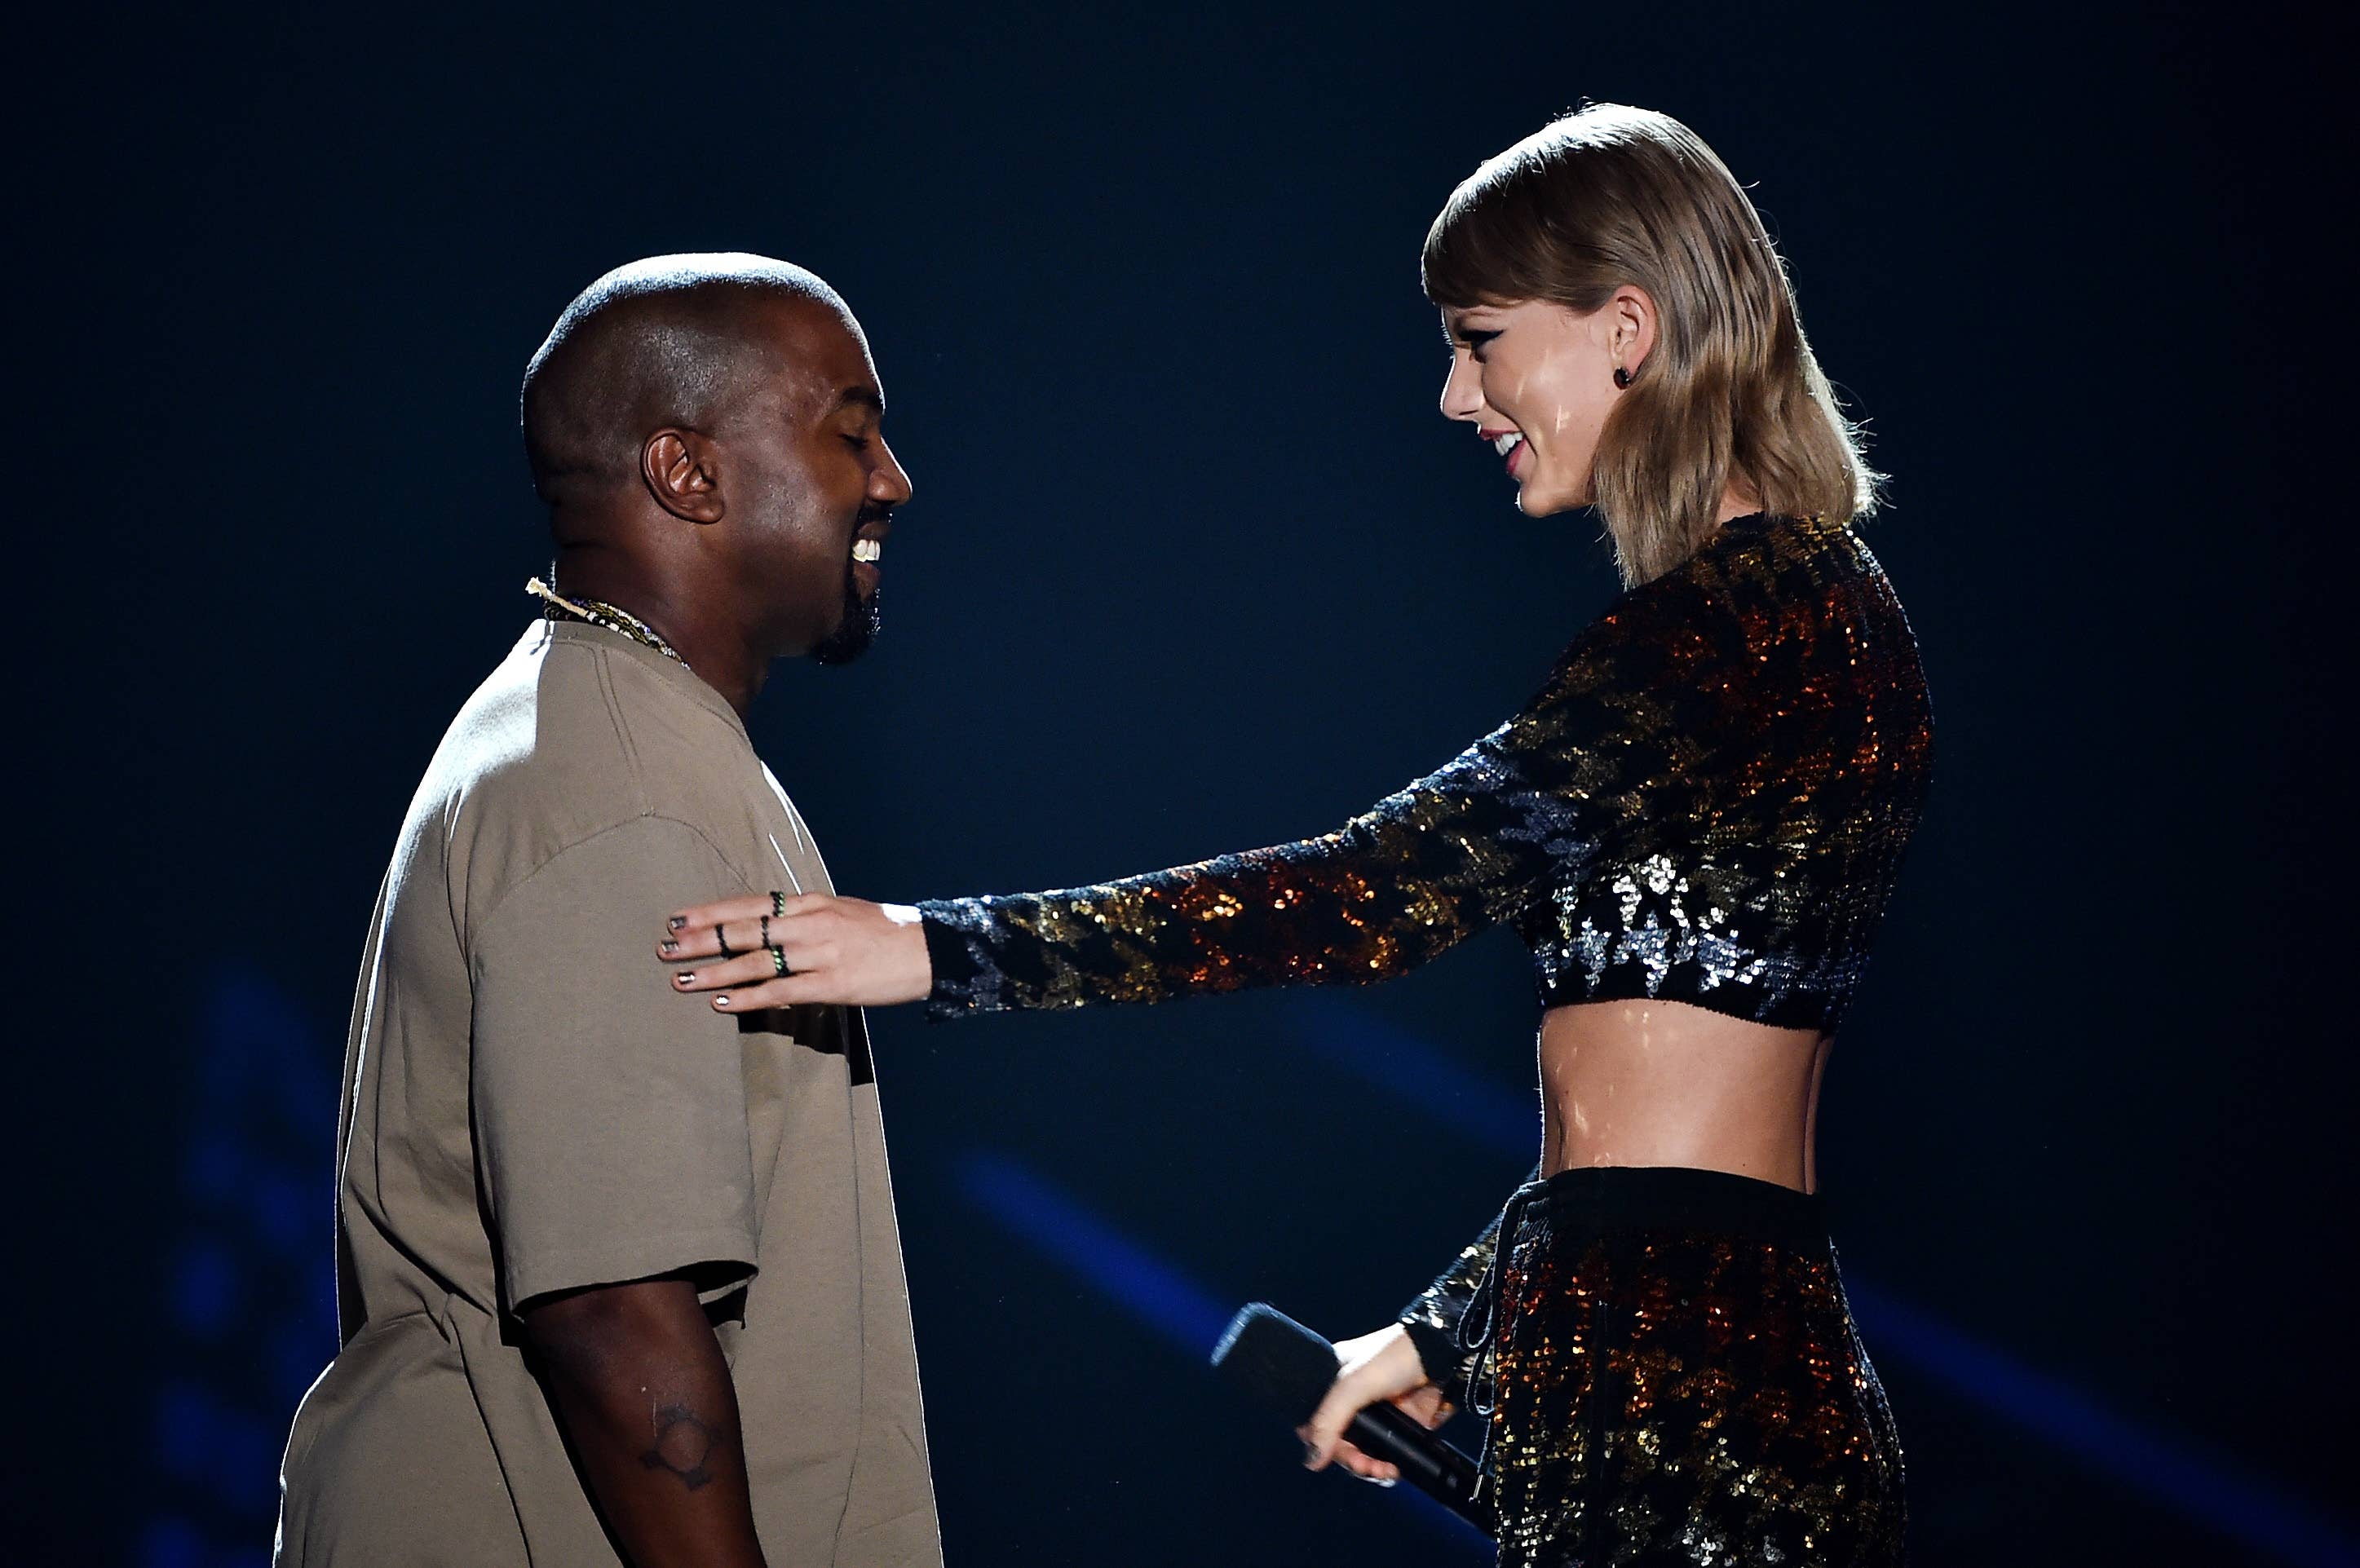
1695, 824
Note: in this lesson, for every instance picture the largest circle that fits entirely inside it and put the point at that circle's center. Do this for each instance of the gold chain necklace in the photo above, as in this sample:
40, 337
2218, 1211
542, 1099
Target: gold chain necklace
598, 613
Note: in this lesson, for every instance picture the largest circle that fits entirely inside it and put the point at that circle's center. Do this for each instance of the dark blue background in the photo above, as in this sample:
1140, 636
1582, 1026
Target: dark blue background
1193, 565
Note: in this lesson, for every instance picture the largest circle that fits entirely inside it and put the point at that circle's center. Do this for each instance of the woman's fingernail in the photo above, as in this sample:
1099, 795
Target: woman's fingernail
669, 947
684, 977
675, 923
1385, 1481
721, 1001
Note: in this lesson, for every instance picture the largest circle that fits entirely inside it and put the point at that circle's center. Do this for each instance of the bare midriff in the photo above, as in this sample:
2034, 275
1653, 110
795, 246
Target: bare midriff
1647, 1083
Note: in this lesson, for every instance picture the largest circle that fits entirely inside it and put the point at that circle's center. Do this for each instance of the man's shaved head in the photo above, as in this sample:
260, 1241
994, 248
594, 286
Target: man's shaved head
708, 434
666, 342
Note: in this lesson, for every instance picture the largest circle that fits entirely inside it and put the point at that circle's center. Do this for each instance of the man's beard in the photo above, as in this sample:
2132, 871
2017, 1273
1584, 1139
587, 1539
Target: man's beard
856, 630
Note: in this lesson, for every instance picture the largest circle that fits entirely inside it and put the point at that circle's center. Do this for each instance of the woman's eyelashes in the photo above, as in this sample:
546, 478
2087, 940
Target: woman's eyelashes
1475, 341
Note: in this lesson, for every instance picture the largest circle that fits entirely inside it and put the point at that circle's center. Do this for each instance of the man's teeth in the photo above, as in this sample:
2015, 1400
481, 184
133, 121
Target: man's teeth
868, 550
1507, 444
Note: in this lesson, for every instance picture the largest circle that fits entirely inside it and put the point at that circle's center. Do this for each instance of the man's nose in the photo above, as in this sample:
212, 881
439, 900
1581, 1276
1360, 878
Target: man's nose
889, 482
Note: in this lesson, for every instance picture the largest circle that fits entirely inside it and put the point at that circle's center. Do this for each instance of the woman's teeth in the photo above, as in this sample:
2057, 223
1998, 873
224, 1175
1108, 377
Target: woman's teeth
868, 550
1507, 444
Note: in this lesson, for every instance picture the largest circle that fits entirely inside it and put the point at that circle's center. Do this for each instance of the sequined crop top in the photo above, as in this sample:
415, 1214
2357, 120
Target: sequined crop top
1707, 801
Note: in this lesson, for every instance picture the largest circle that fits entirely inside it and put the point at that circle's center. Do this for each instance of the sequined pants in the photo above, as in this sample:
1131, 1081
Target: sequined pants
1675, 1380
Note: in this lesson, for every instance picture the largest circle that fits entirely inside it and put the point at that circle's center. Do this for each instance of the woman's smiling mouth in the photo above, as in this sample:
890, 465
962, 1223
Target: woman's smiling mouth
1507, 444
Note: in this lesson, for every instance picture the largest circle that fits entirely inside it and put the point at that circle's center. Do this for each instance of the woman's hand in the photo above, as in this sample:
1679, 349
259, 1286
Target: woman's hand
1380, 1366
798, 948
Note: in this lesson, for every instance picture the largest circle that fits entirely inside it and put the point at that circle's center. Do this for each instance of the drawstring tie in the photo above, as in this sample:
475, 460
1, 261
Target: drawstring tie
1481, 1319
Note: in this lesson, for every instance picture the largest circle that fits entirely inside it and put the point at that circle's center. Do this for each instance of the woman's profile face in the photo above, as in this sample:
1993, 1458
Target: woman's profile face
1536, 380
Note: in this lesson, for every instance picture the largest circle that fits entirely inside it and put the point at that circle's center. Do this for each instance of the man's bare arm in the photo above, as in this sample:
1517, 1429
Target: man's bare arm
639, 1385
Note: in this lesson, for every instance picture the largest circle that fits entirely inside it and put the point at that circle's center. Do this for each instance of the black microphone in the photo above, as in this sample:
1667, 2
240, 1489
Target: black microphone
1288, 1369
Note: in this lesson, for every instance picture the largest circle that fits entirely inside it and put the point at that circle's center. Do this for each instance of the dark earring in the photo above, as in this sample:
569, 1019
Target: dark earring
1621, 376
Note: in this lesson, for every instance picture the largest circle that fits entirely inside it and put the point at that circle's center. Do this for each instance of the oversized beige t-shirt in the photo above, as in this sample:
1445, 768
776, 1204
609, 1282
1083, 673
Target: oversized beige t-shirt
529, 1108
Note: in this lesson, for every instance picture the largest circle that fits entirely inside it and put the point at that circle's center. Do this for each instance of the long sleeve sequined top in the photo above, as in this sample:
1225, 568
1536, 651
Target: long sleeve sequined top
1707, 801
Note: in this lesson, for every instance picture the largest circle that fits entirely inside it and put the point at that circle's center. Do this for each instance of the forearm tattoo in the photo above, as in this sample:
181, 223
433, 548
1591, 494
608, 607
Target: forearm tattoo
682, 1446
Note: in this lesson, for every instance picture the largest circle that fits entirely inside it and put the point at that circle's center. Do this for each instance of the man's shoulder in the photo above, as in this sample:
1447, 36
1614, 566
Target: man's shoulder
537, 743
565, 742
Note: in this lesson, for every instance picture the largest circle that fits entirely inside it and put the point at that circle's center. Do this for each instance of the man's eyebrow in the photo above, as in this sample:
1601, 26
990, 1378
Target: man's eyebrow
860, 397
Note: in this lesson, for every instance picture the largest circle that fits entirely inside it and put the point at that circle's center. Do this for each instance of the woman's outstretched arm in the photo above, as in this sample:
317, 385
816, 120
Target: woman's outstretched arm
1653, 718
1453, 853
1620, 740
1422, 870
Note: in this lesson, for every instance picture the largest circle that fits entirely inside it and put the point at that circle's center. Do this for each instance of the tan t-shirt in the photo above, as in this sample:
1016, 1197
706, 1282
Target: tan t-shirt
528, 1108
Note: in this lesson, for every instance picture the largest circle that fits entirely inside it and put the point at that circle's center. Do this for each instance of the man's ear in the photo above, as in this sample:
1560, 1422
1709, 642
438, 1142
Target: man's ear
682, 472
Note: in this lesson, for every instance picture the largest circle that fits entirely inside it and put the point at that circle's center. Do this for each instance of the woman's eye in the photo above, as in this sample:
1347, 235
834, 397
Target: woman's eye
1476, 341
857, 444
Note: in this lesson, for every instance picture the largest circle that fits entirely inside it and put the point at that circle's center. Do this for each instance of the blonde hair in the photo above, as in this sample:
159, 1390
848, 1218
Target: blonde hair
1611, 195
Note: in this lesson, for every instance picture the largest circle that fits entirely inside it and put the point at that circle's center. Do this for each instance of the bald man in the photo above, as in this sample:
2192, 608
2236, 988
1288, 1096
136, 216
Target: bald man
619, 1275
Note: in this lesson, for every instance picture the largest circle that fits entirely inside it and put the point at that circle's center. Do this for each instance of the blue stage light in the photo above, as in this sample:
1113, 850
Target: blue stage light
1152, 1291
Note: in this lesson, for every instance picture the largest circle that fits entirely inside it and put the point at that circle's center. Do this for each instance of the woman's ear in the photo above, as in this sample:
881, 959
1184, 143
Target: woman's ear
1631, 317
